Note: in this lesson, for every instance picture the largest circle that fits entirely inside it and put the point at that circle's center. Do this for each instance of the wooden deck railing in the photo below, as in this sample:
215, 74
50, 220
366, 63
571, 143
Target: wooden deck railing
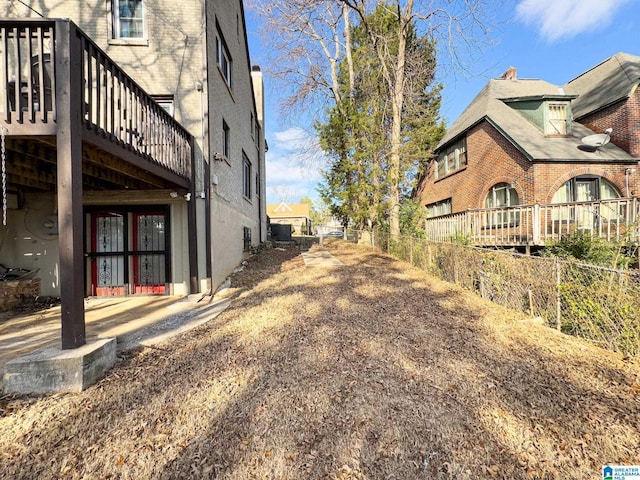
523, 225
113, 105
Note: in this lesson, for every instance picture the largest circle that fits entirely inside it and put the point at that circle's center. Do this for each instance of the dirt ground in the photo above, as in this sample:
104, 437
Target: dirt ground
371, 370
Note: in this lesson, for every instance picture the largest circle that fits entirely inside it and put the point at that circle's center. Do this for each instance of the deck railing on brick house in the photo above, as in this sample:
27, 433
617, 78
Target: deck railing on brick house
534, 225
114, 107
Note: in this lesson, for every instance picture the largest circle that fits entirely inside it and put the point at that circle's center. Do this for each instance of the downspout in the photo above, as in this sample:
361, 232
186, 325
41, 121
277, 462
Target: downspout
206, 181
627, 174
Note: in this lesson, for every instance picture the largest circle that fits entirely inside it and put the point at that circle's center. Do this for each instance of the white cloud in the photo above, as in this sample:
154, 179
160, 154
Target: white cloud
557, 19
292, 139
293, 165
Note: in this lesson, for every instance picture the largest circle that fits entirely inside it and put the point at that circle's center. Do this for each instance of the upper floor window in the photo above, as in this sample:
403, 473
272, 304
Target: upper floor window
246, 177
128, 19
452, 158
557, 119
223, 59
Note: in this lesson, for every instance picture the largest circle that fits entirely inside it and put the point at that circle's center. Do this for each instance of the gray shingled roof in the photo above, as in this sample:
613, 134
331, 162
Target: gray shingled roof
611, 81
489, 104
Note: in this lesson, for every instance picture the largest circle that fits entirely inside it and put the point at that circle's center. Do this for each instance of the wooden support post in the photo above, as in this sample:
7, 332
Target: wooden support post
68, 68
536, 225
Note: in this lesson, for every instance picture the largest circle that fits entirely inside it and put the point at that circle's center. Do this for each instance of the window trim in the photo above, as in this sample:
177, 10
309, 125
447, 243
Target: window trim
455, 153
115, 37
246, 177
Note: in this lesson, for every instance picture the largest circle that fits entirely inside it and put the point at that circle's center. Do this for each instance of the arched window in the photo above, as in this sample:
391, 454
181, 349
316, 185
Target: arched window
502, 195
586, 188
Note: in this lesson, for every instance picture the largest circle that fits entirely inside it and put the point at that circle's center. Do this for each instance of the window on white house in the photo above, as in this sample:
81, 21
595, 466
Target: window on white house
436, 209
223, 59
128, 19
225, 140
453, 158
166, 102
246, 177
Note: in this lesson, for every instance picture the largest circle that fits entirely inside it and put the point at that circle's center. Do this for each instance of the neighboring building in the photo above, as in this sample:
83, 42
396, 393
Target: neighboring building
192, 58
296, 214
519, 143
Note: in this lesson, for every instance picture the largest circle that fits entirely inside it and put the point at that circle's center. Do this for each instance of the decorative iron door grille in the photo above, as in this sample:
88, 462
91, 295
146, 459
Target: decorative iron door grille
129, 252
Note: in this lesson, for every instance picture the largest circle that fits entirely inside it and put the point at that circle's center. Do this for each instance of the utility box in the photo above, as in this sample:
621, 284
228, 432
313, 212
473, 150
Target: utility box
281, 232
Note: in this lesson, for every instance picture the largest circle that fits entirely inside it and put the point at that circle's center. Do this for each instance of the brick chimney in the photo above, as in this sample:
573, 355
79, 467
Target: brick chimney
510, 74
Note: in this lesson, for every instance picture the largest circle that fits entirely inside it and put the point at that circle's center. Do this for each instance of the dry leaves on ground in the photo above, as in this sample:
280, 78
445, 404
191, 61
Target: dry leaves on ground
367, 371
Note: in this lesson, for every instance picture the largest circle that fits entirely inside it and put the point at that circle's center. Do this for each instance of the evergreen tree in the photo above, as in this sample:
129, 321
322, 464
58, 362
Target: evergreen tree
364, 183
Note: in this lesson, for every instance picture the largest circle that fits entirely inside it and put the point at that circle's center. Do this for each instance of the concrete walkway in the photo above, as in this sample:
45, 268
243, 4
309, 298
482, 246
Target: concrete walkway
320, 258
133, 321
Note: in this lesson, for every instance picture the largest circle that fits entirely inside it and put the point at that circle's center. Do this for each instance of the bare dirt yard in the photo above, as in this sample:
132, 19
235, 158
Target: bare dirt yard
371, 370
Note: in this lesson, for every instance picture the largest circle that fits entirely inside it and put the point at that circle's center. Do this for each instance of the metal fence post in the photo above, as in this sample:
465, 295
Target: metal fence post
558, 296
411, 250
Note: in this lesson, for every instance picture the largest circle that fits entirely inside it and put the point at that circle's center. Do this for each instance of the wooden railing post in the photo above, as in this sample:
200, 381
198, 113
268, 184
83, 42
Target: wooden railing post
535, 225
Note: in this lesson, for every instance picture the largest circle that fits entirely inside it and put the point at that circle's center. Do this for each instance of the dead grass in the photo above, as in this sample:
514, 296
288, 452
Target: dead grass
367, 371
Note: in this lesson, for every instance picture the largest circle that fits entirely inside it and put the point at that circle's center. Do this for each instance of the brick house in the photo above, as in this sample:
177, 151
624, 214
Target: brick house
135, 148
519, 142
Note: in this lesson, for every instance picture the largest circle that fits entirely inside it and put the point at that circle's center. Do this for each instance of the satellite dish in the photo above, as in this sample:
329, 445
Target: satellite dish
599, 139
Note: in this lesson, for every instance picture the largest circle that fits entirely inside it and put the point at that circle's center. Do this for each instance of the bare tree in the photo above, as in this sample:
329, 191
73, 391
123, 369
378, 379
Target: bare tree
309, 39
452, 23
313, 47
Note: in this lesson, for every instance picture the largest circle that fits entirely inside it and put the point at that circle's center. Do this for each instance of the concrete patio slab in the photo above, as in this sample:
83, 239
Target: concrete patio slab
130, 321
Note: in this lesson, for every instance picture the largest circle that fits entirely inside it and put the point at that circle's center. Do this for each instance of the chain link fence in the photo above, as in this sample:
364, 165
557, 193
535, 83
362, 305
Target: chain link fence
596, 303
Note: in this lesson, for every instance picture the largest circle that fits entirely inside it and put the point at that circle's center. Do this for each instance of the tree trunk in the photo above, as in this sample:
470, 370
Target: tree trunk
396, 126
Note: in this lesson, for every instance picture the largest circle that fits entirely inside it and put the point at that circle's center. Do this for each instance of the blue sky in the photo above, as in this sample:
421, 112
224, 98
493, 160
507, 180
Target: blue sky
554, 40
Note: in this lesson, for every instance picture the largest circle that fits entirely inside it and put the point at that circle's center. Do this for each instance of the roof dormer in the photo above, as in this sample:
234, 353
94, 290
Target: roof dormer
550, 113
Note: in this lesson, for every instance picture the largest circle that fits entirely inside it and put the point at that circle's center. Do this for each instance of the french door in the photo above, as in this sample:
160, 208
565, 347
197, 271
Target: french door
129, 252
586, 191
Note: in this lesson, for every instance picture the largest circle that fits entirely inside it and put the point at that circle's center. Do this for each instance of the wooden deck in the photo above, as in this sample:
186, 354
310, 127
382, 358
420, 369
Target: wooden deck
536, 225
128, 140
71, 120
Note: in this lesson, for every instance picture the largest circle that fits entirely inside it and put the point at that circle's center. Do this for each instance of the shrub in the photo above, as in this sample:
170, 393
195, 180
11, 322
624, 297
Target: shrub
586, 248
